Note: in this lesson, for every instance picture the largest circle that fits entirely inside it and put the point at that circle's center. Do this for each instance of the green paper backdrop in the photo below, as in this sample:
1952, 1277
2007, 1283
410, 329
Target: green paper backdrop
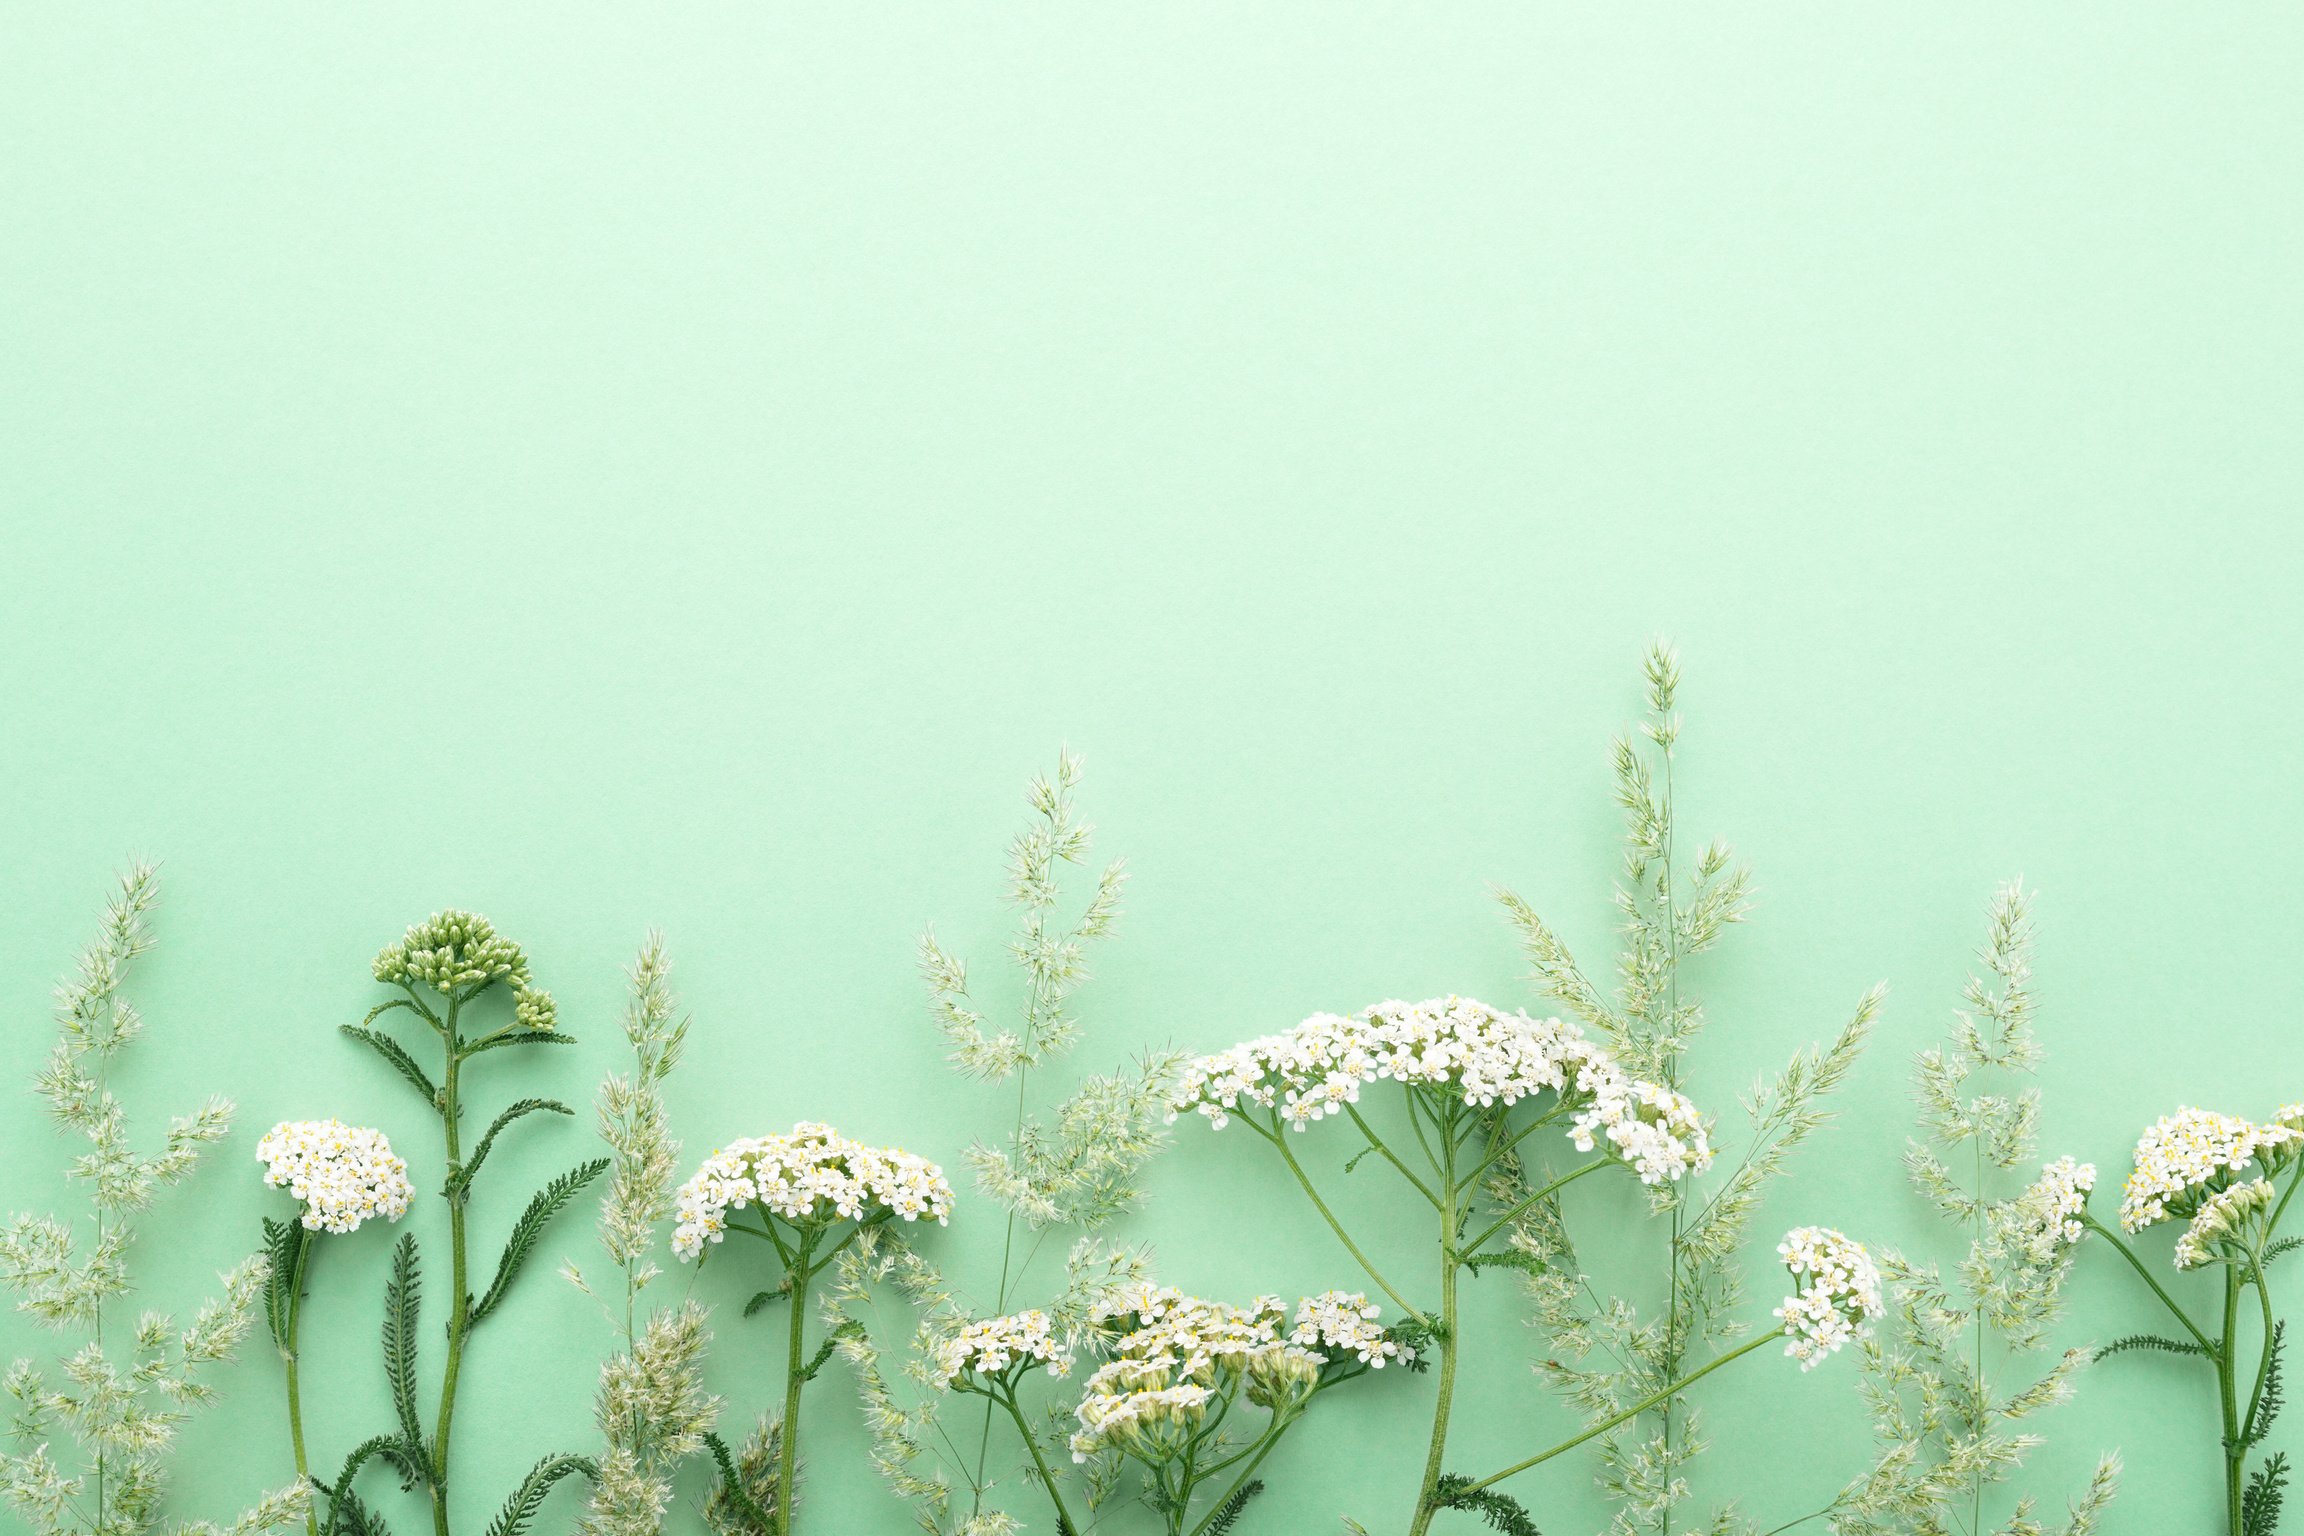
613, 466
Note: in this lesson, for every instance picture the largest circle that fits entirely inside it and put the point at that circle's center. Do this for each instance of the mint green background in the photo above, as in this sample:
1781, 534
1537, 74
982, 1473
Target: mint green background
612, 466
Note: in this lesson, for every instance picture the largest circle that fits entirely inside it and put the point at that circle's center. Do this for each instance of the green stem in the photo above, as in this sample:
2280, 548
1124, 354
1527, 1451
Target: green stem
1671, 1389
1513, 1142
1428, 1493
1389, 1156
1271, 1439
2228, 1392
1279, 1138
1039, 1463
459, 1295
794, 1361
2093, 1225
304, 1244
2264, 1358
1524, 1206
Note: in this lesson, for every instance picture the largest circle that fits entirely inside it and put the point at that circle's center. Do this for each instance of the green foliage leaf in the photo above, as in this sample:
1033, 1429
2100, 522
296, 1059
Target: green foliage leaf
519, 1037
850, 1329
461, 1179
736, 1504
2149, 1341
1500, 1510
2269, 1402
2285, 1245
1227, 1513
395, 1054
2260, 1502
283, 1245
547, 1203
765, 1298
519, 1510
402, 1295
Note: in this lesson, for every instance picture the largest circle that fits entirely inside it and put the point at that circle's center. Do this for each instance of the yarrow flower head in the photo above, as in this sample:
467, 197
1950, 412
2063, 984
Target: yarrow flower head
991, 1347
1836, 1294
2184, 1158
1459, 1046
449, 950
1172, 1354
814, 1175
344, 1174
2056, 1200
2221, 1220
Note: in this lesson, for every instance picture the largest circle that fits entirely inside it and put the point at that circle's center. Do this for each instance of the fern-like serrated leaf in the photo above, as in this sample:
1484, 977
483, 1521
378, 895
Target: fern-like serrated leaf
2271, 1398
547, 1203
402, 1295
2285, 1245
461, 1179
395, 1054
2260, 1501
519, 1510
765, 1298
850, 1329
2149, 1341
1500, 1510
1227, 1514
517, 1037
283, 1245
733, 1500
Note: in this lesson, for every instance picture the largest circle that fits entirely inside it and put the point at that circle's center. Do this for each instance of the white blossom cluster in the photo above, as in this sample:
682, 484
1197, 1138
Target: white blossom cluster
1836, 1295
989, 1347
1466, 1047
1171, 1354
813, 1175
1345, 1322
1651, 1127
2184, 1157
2058, 1197
344, 1174
2220, 1218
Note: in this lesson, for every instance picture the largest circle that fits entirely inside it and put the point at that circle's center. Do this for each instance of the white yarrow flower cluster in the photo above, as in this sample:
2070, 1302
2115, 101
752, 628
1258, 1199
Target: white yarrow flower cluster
1651, 1127
1341, 1323
2057, 1198
1836, 1296
344, 1174
2220, 1219
990, 1347
1465, 1047
813, 1175
2184, 1157
1172, 1354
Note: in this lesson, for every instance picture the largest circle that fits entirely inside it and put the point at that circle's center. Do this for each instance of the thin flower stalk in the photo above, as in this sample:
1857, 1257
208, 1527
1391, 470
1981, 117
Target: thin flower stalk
448, 969
809, 1195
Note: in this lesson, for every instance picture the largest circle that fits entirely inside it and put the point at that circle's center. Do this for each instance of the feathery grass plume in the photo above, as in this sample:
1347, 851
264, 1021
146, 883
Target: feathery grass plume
445, 968
652, 1408
1952, 1382
90, 1432
1065, 1174
1672, 908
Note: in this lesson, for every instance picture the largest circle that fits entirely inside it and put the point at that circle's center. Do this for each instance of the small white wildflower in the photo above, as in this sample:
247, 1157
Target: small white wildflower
813, 1175
2058, 1197
1345, 1322
344, 1174
1836, 1295
990, 1347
